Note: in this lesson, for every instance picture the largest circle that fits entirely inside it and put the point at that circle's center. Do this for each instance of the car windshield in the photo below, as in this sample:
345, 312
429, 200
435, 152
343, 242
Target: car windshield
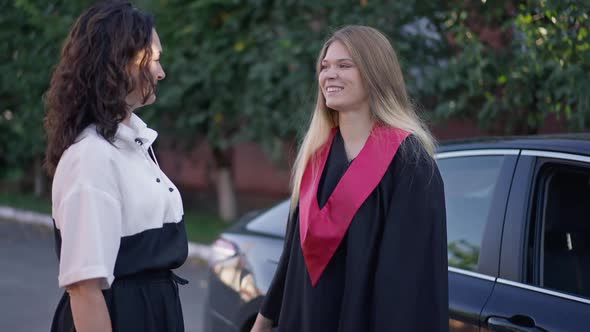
271, 222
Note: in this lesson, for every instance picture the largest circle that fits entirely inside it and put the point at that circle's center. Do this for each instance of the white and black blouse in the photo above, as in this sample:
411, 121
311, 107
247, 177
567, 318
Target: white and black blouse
115, 212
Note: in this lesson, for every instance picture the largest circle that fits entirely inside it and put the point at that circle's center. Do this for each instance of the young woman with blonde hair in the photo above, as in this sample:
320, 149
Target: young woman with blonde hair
365, 248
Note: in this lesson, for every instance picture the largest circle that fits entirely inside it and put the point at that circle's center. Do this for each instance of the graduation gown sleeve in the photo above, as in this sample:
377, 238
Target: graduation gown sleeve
410, 290
271, 306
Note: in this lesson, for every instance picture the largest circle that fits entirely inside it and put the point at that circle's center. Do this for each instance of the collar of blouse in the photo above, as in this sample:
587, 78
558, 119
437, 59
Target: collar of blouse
137, 132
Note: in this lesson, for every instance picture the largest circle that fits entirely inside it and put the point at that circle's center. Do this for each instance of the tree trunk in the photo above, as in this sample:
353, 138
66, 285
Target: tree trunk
226, 195
39, 178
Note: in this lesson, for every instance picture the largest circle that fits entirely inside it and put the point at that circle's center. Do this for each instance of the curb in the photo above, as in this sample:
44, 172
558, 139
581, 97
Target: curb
195, 250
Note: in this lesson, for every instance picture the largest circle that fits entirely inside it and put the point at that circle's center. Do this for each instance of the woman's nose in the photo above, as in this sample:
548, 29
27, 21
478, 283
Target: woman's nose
331, 73
162, 75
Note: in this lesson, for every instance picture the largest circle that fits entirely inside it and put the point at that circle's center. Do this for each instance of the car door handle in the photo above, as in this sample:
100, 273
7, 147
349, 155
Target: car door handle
516, 323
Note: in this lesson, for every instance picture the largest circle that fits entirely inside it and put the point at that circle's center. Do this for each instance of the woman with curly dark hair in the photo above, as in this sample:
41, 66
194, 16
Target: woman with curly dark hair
118, 219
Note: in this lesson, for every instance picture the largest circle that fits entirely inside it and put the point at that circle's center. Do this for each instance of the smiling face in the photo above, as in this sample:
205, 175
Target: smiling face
340, 81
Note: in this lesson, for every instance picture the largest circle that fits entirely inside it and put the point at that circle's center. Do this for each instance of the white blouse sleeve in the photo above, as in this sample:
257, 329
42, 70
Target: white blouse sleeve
89, 221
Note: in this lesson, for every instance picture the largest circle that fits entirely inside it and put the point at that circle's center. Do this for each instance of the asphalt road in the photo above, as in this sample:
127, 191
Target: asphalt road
28, 281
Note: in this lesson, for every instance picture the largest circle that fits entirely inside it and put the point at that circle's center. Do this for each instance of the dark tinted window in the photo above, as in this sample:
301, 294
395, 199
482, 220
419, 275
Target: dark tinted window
470, 183
565, 241
273, 221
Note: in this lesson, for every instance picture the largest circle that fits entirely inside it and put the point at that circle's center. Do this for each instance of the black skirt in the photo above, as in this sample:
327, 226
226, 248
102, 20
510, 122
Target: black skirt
148, 301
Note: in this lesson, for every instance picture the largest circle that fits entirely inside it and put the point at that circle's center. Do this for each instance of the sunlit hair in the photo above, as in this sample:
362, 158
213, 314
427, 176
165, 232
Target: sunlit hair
92, 79
389, 103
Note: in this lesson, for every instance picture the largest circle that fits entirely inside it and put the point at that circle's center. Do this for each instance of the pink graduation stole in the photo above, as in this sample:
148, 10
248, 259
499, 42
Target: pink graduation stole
323, 230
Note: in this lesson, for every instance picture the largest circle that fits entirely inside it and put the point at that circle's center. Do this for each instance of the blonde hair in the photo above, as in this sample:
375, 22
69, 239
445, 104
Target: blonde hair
373, 54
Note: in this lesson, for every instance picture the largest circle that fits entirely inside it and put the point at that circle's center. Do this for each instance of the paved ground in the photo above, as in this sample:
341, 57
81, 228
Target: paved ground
28, 281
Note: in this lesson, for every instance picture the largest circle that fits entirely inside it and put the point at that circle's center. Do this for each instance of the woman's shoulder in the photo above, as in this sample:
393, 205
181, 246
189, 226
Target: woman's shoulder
412, 158
90, 153
90, 143
412, 150
88, 164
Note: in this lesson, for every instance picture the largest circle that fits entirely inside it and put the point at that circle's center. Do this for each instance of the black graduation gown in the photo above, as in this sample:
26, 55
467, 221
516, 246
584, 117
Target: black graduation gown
389, 273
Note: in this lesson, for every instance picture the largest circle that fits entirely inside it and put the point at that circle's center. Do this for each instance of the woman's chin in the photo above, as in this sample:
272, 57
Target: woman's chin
335, 106
151, 100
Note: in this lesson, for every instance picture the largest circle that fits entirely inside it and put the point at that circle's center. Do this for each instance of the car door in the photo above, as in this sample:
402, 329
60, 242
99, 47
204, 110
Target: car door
544, 280
477, 183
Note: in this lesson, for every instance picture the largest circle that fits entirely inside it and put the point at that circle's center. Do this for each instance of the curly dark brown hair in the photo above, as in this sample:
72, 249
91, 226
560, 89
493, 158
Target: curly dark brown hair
93, 78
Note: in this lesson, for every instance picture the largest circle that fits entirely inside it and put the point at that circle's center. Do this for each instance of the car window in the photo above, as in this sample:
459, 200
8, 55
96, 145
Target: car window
563, 262
470, 183
272, 222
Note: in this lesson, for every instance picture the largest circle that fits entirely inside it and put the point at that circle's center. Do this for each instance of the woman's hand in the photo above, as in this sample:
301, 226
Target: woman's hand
89, 308
262, 324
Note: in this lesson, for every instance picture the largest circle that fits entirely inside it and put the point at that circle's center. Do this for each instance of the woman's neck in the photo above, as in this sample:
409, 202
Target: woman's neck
127, 120
355, 128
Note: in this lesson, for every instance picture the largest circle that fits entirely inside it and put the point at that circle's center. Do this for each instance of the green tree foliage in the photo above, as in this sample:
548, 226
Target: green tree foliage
32, 33
245, 70
241, 70
513, 65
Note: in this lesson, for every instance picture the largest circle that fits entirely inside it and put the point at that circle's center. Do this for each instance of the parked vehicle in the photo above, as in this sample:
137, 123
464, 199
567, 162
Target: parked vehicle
518, 223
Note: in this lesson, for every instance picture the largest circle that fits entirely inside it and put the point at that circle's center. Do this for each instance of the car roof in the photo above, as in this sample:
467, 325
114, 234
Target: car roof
565, 143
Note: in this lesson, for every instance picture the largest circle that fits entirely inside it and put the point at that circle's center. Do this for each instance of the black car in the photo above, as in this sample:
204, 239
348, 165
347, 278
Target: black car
518, 222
